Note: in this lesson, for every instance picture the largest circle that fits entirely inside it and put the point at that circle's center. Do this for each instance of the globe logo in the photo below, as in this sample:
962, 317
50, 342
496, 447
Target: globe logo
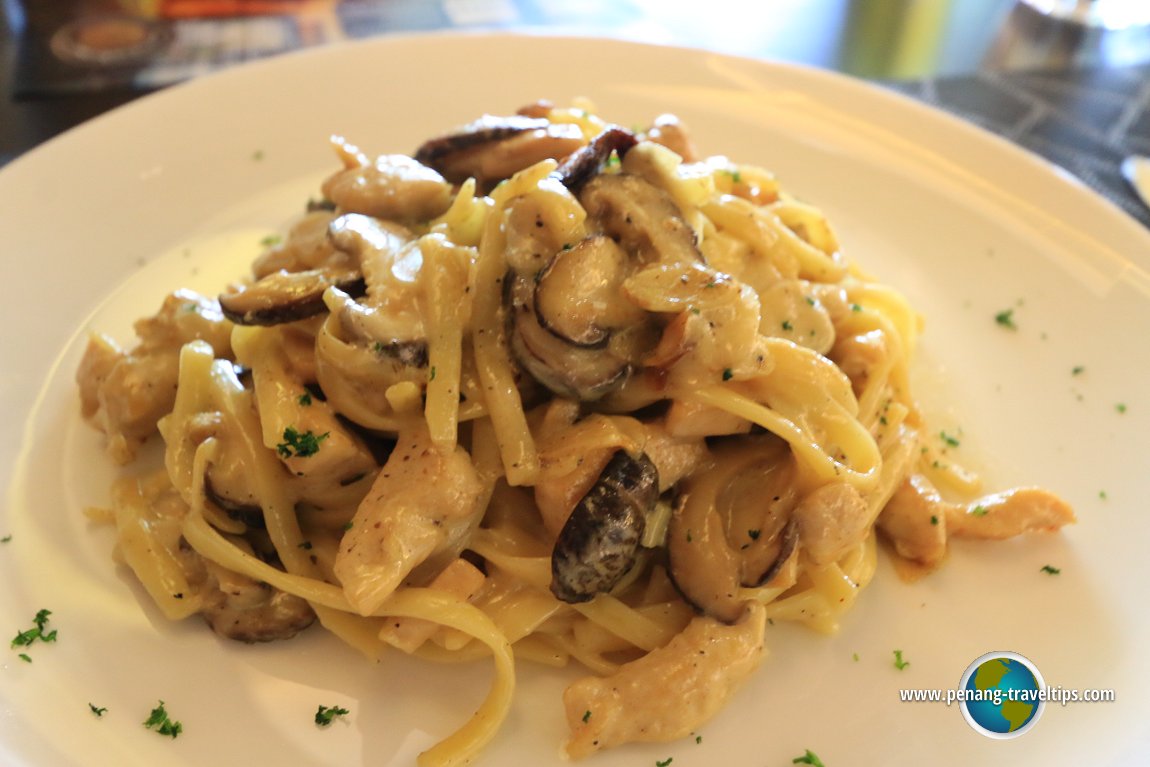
1002, 695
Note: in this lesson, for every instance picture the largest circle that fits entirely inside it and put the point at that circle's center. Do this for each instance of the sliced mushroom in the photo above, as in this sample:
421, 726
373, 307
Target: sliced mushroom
598, 543
361, 325
287, 296
578, 294
385, 333
306, 246
540, 108
641, 217
485, 130
572, 327
407, 353
583, 165
386, 325
563, 342
252, 611
250, 514
786, 559
493, 148
382, 249
362, 331
585, 374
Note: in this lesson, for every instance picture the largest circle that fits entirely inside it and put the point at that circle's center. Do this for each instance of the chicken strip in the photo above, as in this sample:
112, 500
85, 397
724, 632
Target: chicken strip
670, 692
422, 504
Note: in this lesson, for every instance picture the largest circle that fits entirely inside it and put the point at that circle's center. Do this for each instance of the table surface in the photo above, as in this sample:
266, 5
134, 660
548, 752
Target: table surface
1079, 97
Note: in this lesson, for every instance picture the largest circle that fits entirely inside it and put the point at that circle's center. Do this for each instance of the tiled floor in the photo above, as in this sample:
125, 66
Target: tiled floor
1086, 121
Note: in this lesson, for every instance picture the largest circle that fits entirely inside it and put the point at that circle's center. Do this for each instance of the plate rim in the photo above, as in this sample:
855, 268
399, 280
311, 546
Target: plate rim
784, 67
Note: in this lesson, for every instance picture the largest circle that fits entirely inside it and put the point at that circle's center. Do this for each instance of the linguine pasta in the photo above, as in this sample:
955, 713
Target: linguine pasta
545, 390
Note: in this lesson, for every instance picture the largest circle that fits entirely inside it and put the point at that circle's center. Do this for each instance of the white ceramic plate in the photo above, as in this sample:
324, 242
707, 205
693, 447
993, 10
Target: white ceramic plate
178, 189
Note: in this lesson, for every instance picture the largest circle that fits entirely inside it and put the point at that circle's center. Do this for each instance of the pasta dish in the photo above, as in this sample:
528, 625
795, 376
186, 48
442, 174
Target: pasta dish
546, 389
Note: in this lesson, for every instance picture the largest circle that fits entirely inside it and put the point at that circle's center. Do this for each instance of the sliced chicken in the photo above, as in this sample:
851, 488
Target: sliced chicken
670, 692
422, 504
126, 393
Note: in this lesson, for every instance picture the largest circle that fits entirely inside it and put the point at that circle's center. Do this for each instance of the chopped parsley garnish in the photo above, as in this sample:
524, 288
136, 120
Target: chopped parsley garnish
754, 534
159, 721
1005, 318
305, 399
787, 325
431, 376
1077, 370
855, 657
99, 711
728, 374
25, 638
948, 439
587, 715
300, 444
6, 538
1120, 407
665, 762
1050, 570
1102, 494
324, 715
979, 511
270, 240
258, 155
25, 657
810, 757
305, 545
934, 519
736, 177
347, 525
856, 308
698, 738
899, 663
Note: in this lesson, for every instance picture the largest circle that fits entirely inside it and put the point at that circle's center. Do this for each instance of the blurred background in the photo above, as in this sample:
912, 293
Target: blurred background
1069, 79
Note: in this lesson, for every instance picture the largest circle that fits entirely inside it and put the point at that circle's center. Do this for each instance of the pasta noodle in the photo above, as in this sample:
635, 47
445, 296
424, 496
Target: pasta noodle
546, 390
